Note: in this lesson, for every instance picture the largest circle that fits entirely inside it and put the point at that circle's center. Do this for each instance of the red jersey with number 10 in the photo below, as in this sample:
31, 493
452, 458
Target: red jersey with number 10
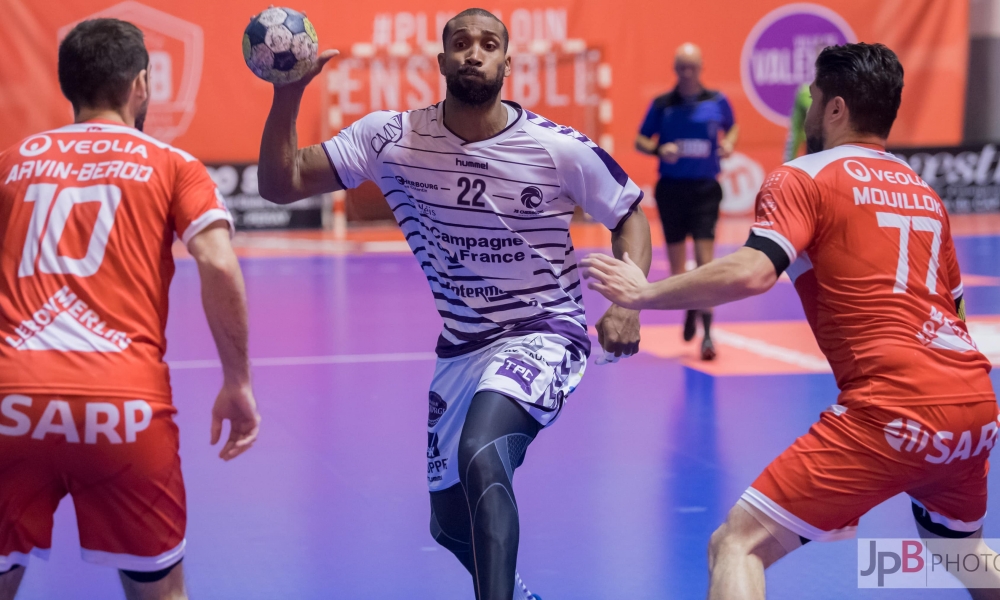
873, 261
88, 214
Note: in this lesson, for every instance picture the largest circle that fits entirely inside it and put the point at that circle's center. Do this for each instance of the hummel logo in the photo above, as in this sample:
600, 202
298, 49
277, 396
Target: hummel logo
471, 163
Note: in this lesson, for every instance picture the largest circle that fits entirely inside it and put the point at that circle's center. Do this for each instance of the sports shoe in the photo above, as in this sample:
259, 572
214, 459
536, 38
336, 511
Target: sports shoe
707, 349
690, 321
521, 590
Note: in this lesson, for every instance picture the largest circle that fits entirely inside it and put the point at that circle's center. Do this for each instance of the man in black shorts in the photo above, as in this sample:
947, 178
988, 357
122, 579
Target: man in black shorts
690, 128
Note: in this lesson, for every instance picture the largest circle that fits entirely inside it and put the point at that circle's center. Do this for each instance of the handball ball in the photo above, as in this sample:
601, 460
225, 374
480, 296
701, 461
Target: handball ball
280, 45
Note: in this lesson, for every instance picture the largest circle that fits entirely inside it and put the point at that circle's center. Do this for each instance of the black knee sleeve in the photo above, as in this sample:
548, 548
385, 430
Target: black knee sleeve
923, 518
150, 576
494, 442
491, 465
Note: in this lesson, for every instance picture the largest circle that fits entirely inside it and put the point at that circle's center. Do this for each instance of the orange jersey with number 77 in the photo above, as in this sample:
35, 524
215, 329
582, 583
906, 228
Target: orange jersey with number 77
873, 261
88, 214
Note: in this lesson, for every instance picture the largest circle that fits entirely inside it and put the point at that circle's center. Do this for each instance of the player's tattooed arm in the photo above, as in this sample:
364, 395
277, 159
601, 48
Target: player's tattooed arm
618, 329
285, 172
224, 299
744, 273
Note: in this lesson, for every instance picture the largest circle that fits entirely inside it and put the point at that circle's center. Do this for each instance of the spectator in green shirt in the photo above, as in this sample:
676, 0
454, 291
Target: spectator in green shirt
797, 131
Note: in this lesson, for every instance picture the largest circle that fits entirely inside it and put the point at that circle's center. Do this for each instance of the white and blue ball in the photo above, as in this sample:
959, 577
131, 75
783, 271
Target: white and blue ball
280, 45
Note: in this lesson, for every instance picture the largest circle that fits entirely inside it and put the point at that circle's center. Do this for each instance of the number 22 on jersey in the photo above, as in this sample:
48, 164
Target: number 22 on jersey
49, 217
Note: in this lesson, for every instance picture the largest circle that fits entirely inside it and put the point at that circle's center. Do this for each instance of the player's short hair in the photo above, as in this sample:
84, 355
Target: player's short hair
474, 12
869, 78
98, 60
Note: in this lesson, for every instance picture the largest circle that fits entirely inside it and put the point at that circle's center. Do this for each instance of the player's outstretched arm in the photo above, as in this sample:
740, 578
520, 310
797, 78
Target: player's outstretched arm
744, 273
618, 329
285, 172
224, 298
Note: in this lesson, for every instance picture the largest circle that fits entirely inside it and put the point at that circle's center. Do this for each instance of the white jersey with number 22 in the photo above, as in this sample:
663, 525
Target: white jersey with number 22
489, 220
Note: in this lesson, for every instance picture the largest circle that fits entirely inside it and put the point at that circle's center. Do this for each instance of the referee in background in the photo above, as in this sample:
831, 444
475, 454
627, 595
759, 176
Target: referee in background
690, 128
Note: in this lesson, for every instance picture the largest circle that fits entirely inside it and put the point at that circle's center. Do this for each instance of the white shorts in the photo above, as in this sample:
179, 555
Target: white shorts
539, 370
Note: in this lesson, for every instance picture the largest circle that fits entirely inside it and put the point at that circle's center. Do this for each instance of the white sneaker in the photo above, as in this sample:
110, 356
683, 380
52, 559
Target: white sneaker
521, 591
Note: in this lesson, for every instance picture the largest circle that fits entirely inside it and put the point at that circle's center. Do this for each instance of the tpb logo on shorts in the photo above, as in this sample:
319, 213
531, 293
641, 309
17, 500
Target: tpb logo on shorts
521, 372
910, 563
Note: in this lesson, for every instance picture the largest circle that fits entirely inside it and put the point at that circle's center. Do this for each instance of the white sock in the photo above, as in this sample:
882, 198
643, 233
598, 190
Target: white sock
520, 590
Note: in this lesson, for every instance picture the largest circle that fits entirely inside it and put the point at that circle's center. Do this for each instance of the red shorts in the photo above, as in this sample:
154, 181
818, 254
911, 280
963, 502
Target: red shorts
117, 458
854, 459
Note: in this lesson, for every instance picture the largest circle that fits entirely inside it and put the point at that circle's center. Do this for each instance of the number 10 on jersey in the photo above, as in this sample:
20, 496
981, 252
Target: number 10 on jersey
49, 217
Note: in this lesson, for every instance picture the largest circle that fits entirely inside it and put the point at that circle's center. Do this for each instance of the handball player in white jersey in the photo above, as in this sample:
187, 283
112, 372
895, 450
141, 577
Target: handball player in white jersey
484, 192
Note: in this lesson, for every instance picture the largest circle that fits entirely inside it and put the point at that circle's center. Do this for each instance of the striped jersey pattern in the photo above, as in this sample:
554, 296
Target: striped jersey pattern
488, 221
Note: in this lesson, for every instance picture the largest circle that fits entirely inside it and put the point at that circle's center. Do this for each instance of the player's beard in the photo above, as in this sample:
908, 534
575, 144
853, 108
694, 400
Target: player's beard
814, 143
815, 139
473, 91
140, 118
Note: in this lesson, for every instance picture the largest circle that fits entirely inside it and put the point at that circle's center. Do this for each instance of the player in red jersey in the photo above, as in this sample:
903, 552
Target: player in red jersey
869, 248
88, 215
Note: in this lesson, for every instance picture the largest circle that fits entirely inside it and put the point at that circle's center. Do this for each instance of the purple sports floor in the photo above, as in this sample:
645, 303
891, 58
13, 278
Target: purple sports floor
617, 499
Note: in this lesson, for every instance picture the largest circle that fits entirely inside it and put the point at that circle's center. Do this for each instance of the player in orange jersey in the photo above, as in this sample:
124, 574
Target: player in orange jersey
88, 214
869, 248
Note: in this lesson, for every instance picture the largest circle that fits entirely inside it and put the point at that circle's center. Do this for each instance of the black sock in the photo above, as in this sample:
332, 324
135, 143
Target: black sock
706, 320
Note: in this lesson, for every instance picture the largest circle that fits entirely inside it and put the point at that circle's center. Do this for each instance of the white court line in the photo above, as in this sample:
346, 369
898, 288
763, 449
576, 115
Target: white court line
288, 361
762, 348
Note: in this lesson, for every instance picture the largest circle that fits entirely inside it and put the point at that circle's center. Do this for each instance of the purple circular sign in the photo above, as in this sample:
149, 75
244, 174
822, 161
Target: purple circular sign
780, 54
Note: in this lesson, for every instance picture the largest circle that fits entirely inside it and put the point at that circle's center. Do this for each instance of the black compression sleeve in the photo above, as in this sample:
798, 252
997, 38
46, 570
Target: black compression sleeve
771, 249
150, 577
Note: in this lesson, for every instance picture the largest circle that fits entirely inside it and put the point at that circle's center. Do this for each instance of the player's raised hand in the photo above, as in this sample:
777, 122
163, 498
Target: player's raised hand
237, 405
620, 281
317, 66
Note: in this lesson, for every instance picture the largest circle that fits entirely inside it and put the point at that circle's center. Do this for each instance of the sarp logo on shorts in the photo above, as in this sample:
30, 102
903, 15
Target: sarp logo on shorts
521, 372
937, 564
943, 447
780, 53
176, 56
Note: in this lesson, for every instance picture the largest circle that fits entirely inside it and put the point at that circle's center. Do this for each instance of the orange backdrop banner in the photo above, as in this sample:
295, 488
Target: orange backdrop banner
594, 64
